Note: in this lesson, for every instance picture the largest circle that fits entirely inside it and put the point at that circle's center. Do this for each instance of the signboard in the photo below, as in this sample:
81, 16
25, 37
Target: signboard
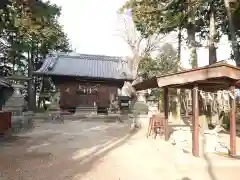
124, 102
87, 89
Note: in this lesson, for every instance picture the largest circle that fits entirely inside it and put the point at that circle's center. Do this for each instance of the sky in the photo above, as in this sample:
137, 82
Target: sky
93, 28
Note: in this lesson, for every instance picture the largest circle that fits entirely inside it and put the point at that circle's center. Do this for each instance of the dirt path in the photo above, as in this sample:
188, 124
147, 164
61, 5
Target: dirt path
102, 151
144, 159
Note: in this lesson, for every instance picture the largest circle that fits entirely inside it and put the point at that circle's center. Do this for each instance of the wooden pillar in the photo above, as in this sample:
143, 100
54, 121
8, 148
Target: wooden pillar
195, 121
166, 102
166, 110
232, 123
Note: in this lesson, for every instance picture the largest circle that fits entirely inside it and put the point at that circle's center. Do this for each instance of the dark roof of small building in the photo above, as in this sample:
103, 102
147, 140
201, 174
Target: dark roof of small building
83, 65
6, 90
4, 82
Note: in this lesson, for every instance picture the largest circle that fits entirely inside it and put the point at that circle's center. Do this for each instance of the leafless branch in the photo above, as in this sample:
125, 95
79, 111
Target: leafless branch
138, 45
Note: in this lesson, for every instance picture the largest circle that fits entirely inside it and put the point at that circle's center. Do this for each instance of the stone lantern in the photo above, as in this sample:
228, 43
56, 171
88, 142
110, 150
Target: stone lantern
141, 95
15, 103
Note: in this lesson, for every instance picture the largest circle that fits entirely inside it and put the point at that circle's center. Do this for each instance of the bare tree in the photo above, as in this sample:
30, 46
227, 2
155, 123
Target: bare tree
140, 46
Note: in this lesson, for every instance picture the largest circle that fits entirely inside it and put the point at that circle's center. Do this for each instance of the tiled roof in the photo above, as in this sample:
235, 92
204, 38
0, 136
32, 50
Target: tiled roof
5, 82
83, 65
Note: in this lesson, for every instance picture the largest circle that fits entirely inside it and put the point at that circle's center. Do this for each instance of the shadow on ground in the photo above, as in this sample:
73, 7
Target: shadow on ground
61, 153
228, 133
215, 172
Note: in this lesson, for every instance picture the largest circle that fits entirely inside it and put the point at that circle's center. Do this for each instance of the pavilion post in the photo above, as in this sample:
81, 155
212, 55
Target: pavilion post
166, 110
195, 121
232, 123
166, 102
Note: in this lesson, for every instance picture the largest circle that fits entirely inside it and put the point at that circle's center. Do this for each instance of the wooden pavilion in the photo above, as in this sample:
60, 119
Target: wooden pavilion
218, 76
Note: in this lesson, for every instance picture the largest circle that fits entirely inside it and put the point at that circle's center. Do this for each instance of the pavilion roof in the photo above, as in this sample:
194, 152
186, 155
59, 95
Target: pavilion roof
213, 77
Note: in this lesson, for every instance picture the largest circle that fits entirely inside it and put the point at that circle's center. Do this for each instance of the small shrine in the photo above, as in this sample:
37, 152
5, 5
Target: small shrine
86, 81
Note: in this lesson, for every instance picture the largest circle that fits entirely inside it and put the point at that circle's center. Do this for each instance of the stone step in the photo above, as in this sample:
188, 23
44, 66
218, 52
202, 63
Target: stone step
86, 109
77, 116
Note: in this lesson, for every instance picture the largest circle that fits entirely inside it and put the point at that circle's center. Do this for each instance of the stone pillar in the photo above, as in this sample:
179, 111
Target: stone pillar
55, 102
16, 101
142, 96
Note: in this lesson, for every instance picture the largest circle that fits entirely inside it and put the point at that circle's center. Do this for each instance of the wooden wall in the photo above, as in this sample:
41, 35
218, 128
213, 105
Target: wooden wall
70, 95
5, 122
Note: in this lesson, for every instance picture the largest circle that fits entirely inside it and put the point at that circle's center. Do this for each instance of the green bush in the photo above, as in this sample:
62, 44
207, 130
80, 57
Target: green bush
238, 118
140, 107
226, 120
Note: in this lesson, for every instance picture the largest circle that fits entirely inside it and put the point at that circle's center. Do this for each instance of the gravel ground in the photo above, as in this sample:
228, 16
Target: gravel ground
103, 151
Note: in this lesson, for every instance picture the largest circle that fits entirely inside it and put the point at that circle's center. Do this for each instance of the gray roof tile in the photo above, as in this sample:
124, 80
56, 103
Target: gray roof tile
83, 65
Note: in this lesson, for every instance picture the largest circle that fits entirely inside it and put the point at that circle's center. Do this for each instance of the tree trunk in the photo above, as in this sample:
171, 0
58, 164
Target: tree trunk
191, 46
212, 53
184, 103
179, 42
30, 81
203, 122
178, 104
212, 36
3, 68
191, 31
232, 33
12, 53
36, 79
40, 98
13, 65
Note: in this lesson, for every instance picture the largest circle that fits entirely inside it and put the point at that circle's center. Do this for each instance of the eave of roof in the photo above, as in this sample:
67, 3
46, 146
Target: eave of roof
4, 82
93, 66
81, 77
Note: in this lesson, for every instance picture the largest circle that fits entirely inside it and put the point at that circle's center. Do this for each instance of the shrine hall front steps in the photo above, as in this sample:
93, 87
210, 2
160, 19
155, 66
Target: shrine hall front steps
82, 113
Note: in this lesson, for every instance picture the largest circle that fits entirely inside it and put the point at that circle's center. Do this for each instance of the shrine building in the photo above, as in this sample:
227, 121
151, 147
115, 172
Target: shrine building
86, 80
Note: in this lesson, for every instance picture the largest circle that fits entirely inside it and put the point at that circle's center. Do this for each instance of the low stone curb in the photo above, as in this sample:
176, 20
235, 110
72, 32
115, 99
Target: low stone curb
84, 118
